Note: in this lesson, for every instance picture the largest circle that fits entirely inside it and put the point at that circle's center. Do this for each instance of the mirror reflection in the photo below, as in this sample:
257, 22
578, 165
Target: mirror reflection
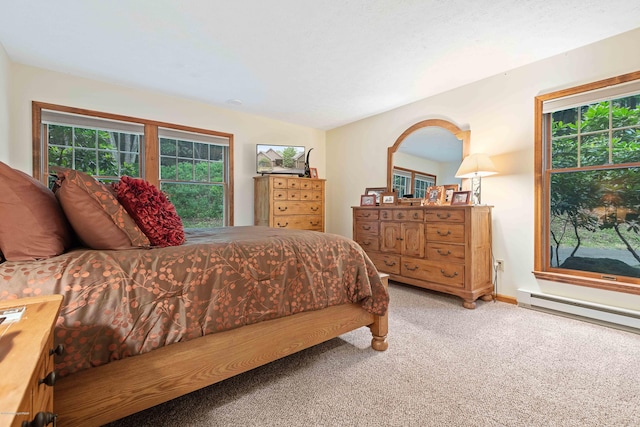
428, 153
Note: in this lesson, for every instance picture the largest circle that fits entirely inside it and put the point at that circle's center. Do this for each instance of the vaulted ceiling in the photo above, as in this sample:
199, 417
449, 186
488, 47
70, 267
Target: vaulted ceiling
319, 63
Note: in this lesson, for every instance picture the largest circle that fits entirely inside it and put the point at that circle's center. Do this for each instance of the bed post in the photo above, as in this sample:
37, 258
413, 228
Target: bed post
380, 325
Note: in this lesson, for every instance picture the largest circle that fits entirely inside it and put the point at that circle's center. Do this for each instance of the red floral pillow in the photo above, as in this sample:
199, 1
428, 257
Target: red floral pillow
151, 210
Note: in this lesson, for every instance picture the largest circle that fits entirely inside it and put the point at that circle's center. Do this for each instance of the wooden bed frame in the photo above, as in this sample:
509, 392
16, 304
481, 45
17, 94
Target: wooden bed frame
97, 396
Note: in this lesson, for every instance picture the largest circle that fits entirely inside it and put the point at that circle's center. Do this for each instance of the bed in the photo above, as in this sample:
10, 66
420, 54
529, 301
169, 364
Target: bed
141, 326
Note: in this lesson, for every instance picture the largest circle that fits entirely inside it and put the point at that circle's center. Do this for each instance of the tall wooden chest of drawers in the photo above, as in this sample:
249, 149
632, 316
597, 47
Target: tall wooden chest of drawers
281, 201
443, 248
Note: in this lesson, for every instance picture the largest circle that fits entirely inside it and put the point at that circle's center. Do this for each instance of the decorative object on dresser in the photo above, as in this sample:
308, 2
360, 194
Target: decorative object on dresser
442, 248
434, 195
367, 200
447, 193
389, 198
288, 202
26, 362
313, 173
461, 198
376, 191
282, 159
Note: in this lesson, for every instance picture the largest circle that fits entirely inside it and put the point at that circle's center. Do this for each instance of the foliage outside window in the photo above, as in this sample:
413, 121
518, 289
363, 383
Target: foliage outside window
588, 182
194, 167
406, 181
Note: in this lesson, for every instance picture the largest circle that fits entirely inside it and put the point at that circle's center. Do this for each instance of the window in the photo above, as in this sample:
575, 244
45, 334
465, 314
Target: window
192, 166
407, 181
588, 185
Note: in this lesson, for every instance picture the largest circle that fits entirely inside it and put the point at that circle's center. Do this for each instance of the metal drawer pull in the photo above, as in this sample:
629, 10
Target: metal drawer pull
415, 215
49, 380
366, 227
314, 208
384, 215
455, 273
443, 216
367, 215
400, 215
314, 223
389, 264
283, 226
57, 350
367, 243
443, 253
443, 234
410, 269
399, 238
281, 209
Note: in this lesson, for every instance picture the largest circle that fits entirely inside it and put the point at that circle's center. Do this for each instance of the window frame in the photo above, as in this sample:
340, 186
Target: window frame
411, 175
150, 150
542, 152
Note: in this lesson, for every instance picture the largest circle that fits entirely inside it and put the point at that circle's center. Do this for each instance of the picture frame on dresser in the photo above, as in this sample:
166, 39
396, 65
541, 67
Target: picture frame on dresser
313, 173
434, 195
376, 191
368, 200
460, 198
388, 198
447, 194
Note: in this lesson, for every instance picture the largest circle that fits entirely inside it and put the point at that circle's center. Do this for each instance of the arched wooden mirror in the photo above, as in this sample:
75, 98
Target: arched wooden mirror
434, 148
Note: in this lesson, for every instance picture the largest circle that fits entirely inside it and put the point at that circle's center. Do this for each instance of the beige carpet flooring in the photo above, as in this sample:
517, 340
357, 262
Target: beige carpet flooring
497, 365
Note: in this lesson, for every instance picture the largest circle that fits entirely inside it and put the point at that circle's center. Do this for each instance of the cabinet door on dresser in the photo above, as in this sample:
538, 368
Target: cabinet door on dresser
289, 202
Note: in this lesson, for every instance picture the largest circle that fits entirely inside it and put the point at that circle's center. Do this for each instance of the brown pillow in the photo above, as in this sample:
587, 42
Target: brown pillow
95, 214
32, 224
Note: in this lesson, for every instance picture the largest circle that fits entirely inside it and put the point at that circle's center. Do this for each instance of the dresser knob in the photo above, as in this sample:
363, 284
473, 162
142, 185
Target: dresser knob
58, 350
281, 209
49, 380
40, 420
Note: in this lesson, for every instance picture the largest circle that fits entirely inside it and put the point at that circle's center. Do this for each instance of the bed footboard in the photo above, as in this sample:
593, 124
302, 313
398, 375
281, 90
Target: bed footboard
100, 395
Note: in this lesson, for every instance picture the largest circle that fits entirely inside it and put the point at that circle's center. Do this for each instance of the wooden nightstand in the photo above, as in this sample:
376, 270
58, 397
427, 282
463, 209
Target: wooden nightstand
26, 362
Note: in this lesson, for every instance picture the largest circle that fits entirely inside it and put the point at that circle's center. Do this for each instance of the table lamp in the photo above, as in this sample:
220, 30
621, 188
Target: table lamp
475, 166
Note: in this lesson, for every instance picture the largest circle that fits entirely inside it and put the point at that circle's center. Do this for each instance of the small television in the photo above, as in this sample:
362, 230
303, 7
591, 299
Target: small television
283, 159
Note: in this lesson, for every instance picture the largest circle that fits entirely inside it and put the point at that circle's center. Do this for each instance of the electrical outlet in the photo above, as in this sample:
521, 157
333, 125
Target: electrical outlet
500, 264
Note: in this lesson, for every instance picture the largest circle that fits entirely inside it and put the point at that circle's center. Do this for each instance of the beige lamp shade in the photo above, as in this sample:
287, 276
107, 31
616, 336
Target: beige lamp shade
476, 165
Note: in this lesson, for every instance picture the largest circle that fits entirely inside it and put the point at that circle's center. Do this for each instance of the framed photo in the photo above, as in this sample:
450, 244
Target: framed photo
376, 191
434, 195
461, 198
368, 200
388, 198
313, 172
448, 193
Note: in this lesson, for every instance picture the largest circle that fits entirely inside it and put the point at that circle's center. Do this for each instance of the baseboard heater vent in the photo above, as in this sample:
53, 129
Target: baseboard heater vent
602, 314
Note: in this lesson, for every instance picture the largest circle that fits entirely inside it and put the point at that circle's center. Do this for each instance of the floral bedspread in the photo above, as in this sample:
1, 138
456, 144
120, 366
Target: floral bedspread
127, 302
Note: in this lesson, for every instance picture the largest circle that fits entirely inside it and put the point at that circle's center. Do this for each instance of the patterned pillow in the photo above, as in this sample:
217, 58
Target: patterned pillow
95, 214
32, 224
152, 211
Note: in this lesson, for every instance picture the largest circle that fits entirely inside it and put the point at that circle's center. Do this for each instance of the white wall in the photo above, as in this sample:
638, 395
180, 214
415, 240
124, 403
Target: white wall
4, 105
35, 84
499, 112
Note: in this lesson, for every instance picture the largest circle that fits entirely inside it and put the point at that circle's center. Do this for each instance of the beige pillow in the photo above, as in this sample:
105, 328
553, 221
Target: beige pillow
32, 224
95, 214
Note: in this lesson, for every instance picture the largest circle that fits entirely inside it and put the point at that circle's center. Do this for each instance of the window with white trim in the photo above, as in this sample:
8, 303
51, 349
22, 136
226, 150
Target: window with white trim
192, 166
588, 185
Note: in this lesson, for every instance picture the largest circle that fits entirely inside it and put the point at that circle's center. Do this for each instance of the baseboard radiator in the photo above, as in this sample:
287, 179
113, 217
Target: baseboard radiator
602, 314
